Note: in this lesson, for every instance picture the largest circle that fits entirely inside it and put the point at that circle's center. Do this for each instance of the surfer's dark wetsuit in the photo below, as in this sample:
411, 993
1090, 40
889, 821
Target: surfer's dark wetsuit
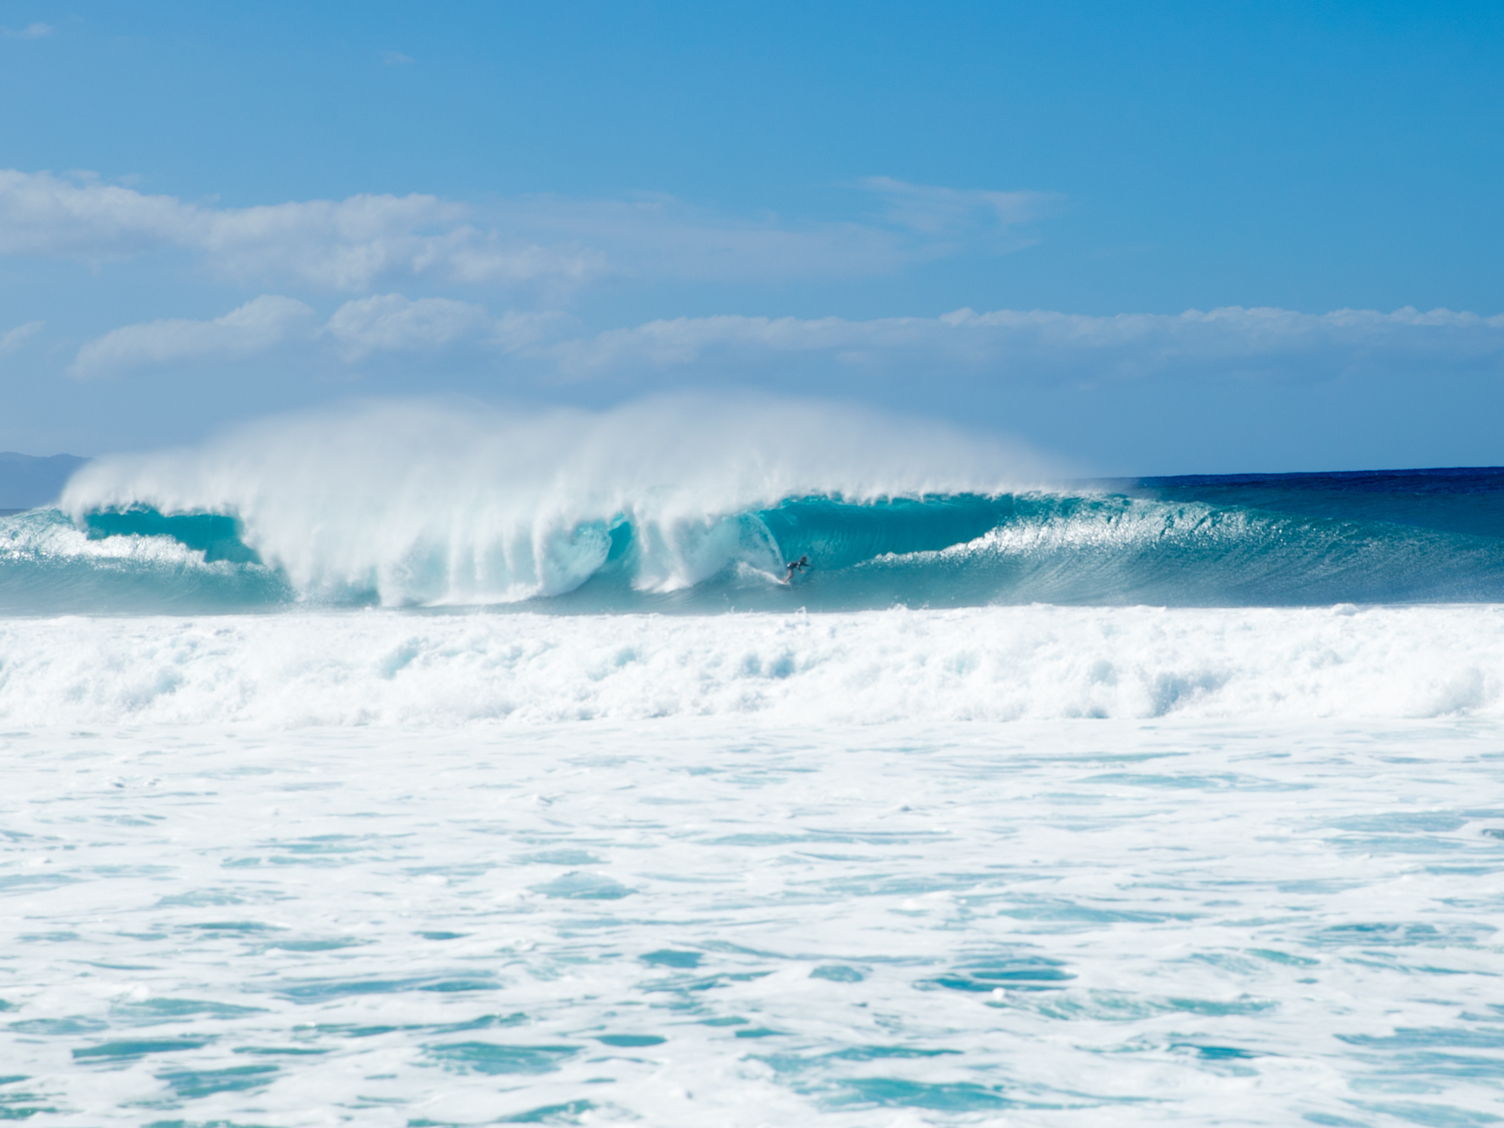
802, 562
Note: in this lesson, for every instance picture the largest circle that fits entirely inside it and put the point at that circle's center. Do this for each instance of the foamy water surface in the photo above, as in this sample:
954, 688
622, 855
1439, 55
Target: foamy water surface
230, 900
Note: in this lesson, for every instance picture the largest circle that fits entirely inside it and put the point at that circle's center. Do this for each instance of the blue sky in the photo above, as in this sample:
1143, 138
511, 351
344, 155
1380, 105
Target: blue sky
1148, 238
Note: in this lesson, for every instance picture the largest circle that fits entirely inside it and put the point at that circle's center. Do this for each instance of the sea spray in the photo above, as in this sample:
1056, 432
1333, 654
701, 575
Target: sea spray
415, 503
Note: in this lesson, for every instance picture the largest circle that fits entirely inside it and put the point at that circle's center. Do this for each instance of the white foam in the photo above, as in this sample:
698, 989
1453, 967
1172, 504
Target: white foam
994, 664
1048, 926
41, 536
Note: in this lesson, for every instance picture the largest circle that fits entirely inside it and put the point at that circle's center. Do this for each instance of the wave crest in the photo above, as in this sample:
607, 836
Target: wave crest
422, 503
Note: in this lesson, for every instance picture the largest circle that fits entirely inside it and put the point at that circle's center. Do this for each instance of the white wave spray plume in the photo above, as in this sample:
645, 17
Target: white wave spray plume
428, 502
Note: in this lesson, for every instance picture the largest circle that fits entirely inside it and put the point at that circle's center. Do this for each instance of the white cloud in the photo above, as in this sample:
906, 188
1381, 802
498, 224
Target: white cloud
358, 330
1026, 342
1002, 344
261, 324
933, 210
395, 59
663, 237
393, 323
46, 215
660, 236
30, 31
13, 339
390, 322
356, 244
348, 244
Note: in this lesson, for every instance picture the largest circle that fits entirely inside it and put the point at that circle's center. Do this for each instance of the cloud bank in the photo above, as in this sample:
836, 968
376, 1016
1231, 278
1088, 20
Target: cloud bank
364, 242
348, 244
256, 327
1013, 344
35, 30
936, 210
392, 323
13, 338
1023, 342
357, 331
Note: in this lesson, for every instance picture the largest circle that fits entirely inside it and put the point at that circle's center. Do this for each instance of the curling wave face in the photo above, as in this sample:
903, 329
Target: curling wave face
695, 505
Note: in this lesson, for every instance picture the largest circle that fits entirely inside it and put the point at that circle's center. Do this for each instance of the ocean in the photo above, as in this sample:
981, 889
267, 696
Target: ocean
410, 766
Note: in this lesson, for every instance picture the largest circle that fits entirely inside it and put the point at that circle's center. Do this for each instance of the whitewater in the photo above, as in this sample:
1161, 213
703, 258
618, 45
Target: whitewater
431, 764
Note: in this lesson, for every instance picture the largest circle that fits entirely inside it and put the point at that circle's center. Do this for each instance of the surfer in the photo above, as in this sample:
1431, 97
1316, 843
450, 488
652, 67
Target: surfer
802, 562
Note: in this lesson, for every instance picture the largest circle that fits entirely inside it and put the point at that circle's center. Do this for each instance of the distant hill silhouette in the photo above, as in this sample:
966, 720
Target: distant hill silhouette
27, 481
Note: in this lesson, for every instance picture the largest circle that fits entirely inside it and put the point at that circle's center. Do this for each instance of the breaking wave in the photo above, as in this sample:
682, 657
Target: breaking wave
696, 505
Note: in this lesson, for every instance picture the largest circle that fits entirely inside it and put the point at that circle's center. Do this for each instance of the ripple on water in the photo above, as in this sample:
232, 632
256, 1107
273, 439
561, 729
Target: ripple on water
494, 1058
837, 973
670, 957
150, 1012
1402, 933
320, 990
60, 1027
22, 1104
939, 1096
630, 1041
1428, 1115
1100, 1005
191, 1084
1019, 973
581, 886
567, 1112
130, 1048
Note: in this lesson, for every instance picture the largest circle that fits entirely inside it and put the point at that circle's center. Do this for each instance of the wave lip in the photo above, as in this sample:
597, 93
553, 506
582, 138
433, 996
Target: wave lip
48, 565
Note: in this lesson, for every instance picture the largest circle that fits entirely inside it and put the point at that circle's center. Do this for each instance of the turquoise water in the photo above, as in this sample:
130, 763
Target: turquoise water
1251, 540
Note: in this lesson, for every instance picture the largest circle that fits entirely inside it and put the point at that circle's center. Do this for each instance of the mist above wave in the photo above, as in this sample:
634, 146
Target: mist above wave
424, 502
